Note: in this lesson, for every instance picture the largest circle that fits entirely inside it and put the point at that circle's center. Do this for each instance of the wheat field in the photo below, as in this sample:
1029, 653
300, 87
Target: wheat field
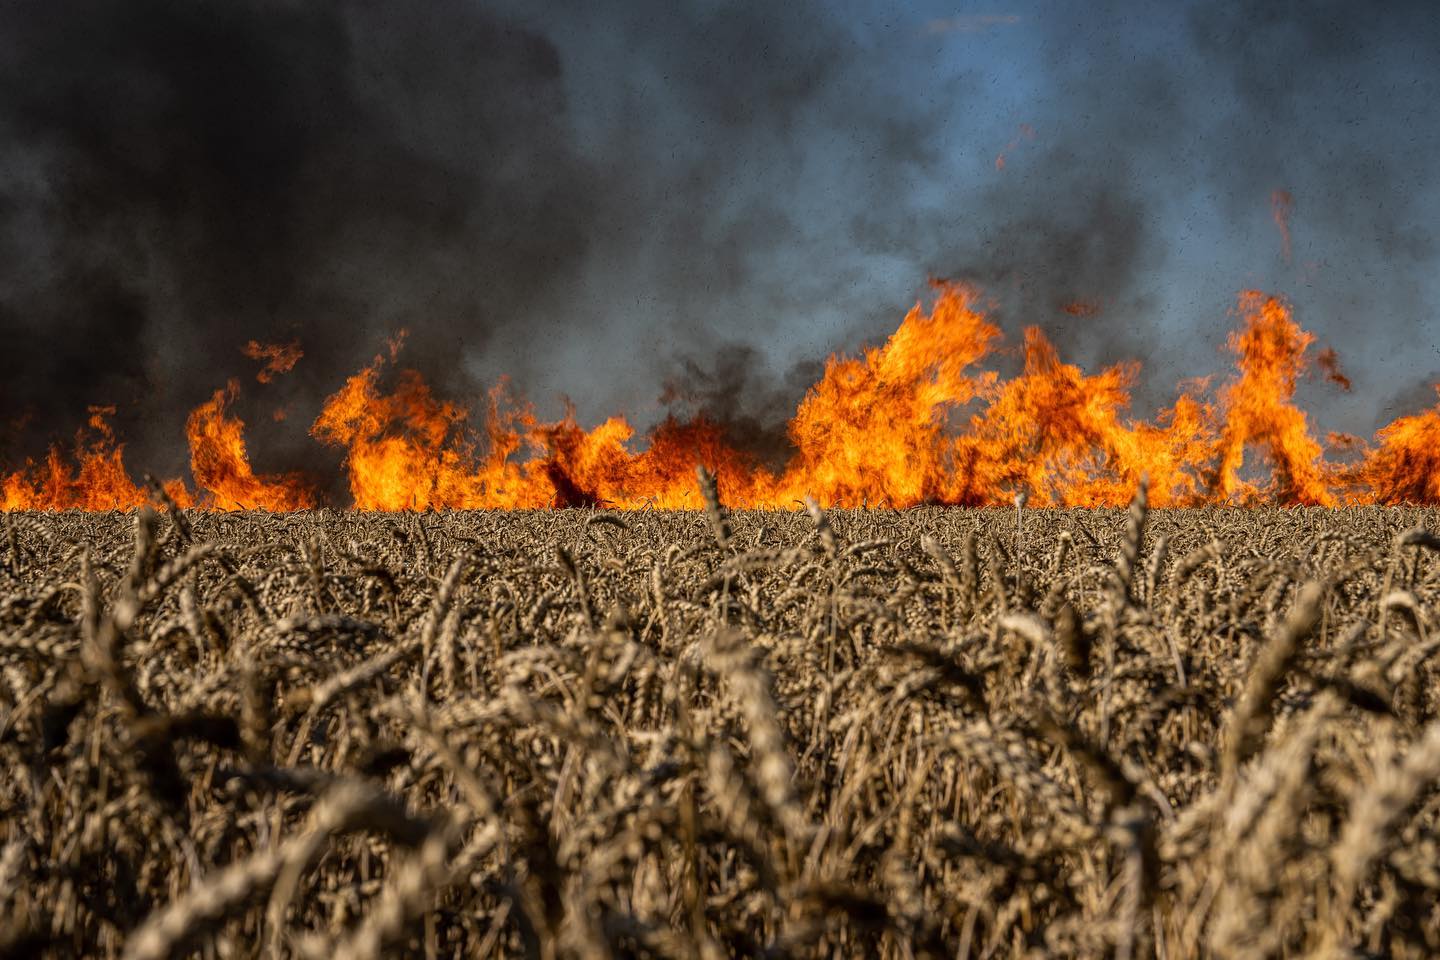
558, 734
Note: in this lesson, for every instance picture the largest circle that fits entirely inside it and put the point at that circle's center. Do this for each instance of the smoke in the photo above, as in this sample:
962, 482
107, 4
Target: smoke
734, 387
654, 206
1147, 196
184, 177
1335, 102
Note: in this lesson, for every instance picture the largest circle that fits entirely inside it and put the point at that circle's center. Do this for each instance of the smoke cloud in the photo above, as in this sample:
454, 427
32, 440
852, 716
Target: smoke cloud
656, 206
184, 177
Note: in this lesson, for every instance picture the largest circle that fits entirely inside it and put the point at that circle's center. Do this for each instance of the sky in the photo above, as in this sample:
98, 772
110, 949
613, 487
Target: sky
650, 205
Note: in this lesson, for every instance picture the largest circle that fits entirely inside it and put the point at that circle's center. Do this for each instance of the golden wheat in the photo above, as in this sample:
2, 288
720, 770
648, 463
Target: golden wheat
721, 733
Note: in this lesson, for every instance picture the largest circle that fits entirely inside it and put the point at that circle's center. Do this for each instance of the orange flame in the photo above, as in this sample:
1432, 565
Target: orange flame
97, 480
873, 429
405, 450
1405, 465
914, 420
1259, 409
1063, 437
220, 466
398, 457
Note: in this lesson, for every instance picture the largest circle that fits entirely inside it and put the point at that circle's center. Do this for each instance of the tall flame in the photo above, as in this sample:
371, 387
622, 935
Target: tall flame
1064, 439
914, 420
220, 466
873, 428
1260, 410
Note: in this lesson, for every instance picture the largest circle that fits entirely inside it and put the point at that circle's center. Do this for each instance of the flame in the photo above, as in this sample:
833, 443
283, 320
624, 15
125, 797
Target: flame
1405, 465
873, 428
406, 450
1064, 438
917, 419
1259, 410
399, 452
96, 480
220, 466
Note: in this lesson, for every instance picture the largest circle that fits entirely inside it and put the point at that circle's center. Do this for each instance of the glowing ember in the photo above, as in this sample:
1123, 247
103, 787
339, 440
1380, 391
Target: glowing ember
915, 420
1281, 204
1082, 308
279, 358
1329, 363
1025, 132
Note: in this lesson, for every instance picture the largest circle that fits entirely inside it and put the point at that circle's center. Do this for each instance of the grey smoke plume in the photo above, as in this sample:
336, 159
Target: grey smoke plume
652, 205
1135, 202
1146, 191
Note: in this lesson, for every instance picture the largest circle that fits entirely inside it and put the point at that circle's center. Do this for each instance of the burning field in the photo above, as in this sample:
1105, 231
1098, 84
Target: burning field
470, 485
247, 718
916, 420
586, 733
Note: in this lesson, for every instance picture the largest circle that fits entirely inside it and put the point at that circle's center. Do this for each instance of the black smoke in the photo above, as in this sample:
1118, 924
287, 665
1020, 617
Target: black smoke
182, 177
605, 198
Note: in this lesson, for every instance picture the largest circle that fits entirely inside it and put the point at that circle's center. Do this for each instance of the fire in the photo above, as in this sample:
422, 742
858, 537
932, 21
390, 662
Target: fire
873, 428
917, 419
406, 450
1064, 438
1405, 465
400, 454
1259, 410
96, 480
220, 466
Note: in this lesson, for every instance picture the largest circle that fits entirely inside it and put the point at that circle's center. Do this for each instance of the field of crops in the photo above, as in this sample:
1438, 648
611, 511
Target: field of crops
589, 734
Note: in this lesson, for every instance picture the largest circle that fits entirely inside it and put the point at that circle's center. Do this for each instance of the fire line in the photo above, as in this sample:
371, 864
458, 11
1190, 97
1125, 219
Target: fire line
878, 429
